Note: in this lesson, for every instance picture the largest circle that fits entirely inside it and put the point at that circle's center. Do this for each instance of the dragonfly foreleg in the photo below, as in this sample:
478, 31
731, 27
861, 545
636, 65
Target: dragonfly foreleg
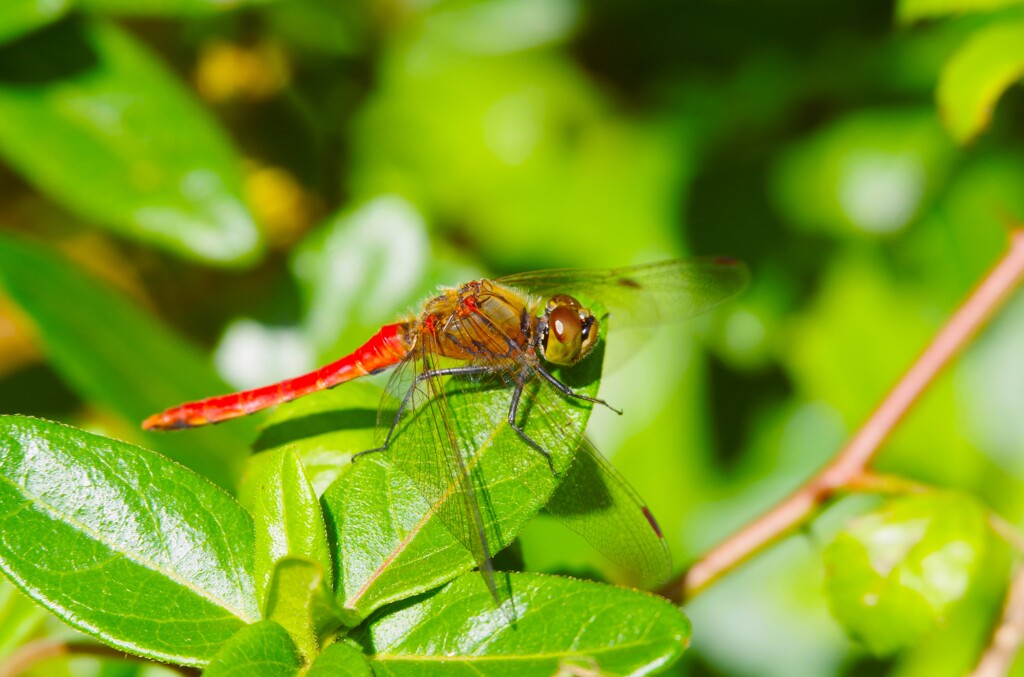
469, 370
513, 408
569, 392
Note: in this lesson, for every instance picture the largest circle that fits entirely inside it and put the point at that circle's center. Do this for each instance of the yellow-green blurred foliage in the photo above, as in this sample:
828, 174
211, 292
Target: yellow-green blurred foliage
277, 179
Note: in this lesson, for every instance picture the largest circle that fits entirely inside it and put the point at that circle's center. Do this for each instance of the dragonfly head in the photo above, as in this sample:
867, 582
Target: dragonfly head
567, 332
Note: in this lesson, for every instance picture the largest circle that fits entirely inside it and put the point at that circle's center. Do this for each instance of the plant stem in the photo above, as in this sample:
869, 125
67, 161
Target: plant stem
853, 460
1008, 635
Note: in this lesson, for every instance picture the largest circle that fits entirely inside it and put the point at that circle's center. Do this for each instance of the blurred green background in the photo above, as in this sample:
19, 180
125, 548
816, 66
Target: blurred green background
270, 181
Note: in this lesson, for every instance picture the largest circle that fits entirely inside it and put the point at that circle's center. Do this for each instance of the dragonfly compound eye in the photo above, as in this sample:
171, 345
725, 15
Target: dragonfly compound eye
570, 331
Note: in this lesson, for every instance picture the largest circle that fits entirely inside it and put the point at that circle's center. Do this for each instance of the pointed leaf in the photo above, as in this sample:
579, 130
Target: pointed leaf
301, 602
288, 520
117, 356
559, 622
126, 145
263, 649
122, 543
894, 573
974, 78
325, 429
340, 659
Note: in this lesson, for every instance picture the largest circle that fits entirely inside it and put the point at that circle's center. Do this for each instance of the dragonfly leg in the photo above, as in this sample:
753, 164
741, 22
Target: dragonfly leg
569, 392
513, 408
470, 370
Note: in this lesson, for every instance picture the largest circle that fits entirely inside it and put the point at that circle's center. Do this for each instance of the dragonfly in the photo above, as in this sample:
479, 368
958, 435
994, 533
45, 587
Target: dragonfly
517, 333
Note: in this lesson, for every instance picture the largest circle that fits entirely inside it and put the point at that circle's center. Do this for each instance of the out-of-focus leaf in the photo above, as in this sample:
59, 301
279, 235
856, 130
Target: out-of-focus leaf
301, 601
322, 25
912, 10
392, 543
358, 268
871, 172
288, 520
126, 145
522, 151
117, 356
340, 659
122, 543
263, 649
559, 623
861, 309
894, 573
976, 76
19, 618
504, 26
166, 7
18, 17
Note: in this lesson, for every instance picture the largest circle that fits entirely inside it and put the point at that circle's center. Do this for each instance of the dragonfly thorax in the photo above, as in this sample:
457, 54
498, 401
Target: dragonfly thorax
567, 332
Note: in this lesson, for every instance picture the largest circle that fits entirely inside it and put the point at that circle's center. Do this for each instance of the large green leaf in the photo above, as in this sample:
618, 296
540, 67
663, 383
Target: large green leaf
125, 145
119, 357
122, 543
394, 541
895, 573
18, 17
977, 75
558, 623
263, 649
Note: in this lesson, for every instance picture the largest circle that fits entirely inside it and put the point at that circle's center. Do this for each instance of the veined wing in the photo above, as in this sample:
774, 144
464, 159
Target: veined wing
482, 481
433, 459
596, 502
643, 295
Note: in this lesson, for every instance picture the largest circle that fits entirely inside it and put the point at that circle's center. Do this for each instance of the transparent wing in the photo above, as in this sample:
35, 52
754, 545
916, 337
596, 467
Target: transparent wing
596, 502
482, 479
432, 453
591, 497
643, 295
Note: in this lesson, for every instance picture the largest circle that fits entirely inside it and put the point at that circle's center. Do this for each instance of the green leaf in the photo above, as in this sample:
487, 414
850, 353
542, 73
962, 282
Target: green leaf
340, 659
118, 357
288, 520
559, 622
872, 171
392, 542
18, 17
122, 543
300, 600
263, 649
126, 145
976, 76
909, 11
894, 573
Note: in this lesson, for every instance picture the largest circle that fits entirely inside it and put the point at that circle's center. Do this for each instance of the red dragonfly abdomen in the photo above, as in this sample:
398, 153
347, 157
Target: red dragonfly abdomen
385, 349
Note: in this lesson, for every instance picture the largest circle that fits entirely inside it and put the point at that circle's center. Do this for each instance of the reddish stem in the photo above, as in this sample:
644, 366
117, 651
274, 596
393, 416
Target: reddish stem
854, 459
998, 658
